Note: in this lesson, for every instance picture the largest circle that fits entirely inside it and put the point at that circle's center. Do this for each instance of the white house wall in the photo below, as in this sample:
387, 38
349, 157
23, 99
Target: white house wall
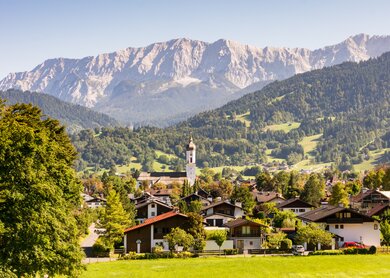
238, 212
364, 232
211, 245
256, 243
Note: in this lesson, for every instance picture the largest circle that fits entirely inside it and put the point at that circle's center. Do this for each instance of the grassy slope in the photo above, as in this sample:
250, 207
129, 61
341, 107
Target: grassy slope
315, 266
370, 164
286, 127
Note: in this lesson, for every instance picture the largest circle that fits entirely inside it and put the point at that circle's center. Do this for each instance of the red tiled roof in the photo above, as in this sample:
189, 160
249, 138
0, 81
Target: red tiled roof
158, 218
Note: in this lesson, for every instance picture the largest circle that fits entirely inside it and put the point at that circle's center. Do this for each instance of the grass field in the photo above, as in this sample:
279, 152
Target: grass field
244, 119
372, 162
286, 127
312, 266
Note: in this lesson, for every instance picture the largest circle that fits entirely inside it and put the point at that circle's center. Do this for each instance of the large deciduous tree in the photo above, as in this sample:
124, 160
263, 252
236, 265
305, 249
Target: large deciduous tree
339, 195
39, 193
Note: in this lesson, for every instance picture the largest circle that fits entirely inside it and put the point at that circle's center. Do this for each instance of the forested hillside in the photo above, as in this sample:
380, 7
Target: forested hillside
342, 112
75, 117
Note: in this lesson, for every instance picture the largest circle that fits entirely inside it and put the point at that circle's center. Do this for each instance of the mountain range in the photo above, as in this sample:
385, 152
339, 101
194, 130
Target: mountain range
167, 82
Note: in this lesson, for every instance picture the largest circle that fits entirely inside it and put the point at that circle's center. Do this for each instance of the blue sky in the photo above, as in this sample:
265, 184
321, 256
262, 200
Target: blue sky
32, 31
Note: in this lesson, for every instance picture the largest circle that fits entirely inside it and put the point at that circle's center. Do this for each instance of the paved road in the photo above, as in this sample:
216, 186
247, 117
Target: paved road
89, 241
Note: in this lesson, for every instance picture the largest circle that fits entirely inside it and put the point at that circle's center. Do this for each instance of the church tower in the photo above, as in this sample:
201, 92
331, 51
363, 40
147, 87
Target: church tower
191, 162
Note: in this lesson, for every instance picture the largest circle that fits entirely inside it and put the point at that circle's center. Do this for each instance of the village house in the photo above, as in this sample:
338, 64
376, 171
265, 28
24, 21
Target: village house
221, 212
196, 197
143, 237
246, 234
295, 205
151, 208
262, 197
369, 199
163, 195
96, 202
347, 224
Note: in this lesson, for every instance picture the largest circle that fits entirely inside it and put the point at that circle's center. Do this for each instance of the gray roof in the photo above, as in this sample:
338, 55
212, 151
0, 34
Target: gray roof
240, 222
294, 202
319, 214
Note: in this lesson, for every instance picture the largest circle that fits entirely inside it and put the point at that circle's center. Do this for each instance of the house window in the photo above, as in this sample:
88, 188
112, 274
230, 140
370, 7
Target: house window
375, 226
153, 213
246, 230
250, 243
153, 205
293, 210
301, 210
336, 226
341, 226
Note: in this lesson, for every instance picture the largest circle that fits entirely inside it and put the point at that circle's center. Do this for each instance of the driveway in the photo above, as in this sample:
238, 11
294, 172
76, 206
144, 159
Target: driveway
90, 240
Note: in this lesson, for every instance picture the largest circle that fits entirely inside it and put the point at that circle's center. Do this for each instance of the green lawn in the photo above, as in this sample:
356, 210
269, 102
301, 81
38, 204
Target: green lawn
286, 127
312, 266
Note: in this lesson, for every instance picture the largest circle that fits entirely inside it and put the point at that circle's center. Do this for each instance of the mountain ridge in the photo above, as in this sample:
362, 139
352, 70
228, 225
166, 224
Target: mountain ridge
157, 82
74, 117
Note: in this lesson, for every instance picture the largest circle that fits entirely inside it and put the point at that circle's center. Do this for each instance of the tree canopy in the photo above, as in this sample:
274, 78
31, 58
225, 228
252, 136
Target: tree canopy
39, 192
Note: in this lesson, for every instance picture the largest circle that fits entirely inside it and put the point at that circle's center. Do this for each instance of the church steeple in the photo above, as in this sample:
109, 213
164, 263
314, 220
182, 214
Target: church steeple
190, 152
191, 161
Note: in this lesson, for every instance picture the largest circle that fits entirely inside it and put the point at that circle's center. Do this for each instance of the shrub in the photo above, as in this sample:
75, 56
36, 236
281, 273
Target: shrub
352, 251
6, 273
183, 255
327, 252
152, 256
286, 244
230, 251
372, 250
100, 250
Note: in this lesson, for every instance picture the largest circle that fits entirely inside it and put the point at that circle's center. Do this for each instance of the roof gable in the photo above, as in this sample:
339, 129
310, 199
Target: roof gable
156, 219
294, 203
242, 222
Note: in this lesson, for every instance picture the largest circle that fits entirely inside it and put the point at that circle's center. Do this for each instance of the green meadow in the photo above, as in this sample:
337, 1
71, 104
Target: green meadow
312, 266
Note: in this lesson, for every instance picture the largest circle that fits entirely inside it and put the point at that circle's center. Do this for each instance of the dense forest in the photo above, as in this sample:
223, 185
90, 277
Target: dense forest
74, 117
346, 105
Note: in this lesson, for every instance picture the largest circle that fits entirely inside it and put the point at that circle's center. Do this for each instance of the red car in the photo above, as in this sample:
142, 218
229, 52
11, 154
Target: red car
353, 244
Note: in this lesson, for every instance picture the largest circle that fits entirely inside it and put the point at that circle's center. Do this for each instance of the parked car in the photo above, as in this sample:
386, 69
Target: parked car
353, 244
298, 250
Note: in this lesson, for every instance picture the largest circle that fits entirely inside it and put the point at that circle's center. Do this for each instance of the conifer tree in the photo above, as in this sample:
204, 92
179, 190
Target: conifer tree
114, 220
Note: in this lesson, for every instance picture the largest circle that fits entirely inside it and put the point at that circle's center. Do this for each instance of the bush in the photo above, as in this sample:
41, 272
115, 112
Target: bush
327, 252
372, 250
183, 255
230, 251
153, 256
353, 251
100, 250
286, 244
6, 273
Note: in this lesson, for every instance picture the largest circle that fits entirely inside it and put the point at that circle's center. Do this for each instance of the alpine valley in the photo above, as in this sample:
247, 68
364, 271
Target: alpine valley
168, 82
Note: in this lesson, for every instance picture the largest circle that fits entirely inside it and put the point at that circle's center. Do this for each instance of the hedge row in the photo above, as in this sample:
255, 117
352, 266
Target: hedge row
347, 251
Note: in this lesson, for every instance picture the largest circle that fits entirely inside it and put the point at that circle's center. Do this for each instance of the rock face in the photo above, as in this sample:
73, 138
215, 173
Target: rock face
169, 81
